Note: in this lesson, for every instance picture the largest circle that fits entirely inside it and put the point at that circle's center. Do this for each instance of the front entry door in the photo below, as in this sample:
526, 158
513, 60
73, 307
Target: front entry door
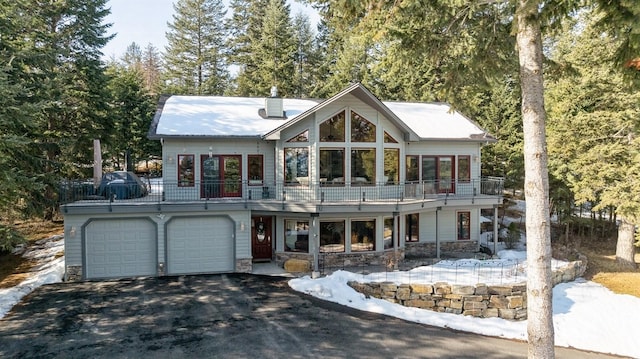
221, 176
261, 234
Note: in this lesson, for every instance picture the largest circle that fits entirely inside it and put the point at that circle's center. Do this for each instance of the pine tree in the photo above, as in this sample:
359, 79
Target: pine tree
195, 60
152, 69
593, 103
307, 57
270, 60
131, 115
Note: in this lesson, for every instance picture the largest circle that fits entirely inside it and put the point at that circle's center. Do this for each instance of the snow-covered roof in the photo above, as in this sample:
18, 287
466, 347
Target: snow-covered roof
436, 121
206, 116
222, 116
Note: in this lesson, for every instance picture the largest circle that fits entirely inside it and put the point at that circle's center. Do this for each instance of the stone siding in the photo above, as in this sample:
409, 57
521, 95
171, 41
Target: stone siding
73, 274
244, 265
428, 249
342, 260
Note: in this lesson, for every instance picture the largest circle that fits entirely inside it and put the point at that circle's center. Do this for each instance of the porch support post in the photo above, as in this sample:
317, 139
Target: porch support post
438, 209
495, 228
394, 238
314, 240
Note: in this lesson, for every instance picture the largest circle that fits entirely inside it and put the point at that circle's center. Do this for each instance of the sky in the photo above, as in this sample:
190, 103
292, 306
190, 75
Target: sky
145, 21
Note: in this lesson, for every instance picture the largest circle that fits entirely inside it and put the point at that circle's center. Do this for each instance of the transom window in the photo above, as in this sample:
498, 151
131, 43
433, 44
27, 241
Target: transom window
361, 129
332, 130
301, 137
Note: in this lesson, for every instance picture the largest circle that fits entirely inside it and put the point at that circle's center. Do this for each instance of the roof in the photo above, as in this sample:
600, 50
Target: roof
219, 116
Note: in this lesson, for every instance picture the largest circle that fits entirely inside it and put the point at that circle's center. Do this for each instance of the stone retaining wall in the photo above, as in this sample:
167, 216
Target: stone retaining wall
480, 300
507, 301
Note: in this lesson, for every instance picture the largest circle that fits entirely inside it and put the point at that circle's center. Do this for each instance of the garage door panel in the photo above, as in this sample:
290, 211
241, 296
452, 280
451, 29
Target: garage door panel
200, 245
120, 248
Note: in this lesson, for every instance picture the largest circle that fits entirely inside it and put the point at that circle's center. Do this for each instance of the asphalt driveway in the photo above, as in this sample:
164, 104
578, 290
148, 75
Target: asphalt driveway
222, 316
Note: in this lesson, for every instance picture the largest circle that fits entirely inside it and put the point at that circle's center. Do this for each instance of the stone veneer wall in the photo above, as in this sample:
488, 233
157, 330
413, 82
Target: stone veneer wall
244, 265
428, 249
480, 300
341, 260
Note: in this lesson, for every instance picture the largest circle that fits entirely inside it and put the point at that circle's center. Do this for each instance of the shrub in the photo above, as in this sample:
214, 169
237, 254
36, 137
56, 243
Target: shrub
9, 239
513, 236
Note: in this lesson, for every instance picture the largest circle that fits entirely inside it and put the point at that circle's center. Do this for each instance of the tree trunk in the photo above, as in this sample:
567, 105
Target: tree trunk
536, 186
625, 250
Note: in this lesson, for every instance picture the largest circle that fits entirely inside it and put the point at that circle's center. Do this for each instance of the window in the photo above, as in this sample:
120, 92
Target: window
256, 169
464, 168
296, 162
464, 225
296, 236
361, 129
363, 235
412, 227
388, 232
391, 165
437, 171
301, 137
388, 138
186, 170
332, 236
363, 166
412, 169
332, 165
332, 130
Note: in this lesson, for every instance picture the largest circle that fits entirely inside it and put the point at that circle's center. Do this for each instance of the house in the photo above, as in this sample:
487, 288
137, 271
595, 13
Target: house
350, 180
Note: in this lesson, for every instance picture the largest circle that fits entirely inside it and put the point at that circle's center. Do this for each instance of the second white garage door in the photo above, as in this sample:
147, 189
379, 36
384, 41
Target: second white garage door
200, 245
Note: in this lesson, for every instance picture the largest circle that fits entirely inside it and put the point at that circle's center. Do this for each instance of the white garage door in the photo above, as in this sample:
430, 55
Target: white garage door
120, 248
200, 245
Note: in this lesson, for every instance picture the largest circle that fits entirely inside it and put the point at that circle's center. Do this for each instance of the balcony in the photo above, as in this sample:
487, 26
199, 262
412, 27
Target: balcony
302, 192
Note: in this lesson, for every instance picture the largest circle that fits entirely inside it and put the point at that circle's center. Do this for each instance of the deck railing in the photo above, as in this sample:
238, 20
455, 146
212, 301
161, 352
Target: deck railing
320, 192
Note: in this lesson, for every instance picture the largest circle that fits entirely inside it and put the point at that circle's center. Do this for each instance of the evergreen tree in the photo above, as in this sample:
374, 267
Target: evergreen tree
272, 54
592, 103
307, 57
152, 69
131, 113
195, 60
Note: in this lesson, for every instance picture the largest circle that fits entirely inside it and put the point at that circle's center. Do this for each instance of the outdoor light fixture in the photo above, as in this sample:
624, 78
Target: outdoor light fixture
210, 151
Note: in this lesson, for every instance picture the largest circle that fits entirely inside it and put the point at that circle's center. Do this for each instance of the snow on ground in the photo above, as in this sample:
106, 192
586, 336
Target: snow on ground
49, 270
586, 315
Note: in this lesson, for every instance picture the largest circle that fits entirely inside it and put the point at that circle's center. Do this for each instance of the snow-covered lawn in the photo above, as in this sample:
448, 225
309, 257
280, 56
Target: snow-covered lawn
49, 270
586, 315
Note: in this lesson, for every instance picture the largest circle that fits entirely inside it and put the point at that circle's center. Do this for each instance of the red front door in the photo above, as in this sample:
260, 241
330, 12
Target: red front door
261, 235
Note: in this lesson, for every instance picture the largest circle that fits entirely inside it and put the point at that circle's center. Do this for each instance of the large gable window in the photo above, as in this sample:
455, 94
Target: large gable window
296, 165
332, 130
332, 165
363, 165
361, 129
391, 165
301, 137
